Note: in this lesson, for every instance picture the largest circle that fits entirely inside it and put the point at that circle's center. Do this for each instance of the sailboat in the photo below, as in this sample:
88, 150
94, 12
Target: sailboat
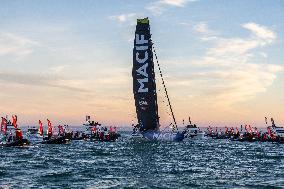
10, 139
144, 87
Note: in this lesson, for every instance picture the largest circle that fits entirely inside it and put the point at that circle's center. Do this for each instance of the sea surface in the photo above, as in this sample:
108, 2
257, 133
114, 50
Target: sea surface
140, 164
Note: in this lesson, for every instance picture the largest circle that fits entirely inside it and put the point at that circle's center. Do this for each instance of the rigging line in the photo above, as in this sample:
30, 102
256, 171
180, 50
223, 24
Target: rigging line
163, 82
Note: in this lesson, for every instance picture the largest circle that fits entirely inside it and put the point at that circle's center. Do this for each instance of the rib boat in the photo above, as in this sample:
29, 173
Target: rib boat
16, 143
12, 135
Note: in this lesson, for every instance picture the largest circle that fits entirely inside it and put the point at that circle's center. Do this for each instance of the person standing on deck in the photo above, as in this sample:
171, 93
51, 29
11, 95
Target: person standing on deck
19, 134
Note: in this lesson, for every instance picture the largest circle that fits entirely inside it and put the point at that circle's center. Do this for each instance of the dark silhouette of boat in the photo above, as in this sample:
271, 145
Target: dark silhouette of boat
16, 143
55, 140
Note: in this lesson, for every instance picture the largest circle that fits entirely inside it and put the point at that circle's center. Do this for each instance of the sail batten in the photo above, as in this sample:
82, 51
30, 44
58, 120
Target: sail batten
144, 86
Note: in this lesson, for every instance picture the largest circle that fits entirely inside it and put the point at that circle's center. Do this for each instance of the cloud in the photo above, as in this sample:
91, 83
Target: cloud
158, 7
15, 45
58, 69
41, 80
123, 17
232, 47
178, 3
227, 74
201, 27
261, 32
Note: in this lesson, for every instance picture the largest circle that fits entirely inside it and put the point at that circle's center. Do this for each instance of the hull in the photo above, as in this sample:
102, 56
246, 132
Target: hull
198, 135
79, 138
163, 136
59, 140
16, 143
105, 138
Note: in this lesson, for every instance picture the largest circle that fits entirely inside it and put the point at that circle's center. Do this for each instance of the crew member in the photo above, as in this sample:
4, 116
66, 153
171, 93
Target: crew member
19, 134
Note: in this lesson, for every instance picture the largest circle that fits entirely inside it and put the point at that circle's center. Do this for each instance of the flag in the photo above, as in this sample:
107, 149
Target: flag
4, 125
49, 127
40, 128
15, 119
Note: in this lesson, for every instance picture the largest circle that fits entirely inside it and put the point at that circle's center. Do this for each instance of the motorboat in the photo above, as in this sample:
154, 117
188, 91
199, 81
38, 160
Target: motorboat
193, 132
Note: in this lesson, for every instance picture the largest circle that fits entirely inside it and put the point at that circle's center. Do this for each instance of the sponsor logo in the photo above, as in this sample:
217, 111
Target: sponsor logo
141, 46
143, 103
164, 136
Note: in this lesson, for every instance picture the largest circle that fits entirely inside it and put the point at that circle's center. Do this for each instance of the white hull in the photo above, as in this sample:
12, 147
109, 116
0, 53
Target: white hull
159, 136
197, 136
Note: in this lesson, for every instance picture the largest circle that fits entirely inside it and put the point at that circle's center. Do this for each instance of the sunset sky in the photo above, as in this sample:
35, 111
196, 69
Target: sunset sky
223, 61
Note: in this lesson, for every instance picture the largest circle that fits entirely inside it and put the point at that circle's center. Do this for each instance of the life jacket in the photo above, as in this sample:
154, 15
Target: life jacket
94, 129
19, 134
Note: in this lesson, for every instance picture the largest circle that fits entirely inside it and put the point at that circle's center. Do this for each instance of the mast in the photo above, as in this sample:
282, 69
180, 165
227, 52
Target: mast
144, 85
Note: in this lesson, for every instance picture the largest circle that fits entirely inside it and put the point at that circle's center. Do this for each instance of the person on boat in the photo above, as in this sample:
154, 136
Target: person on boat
49, 132
19, 134
10, 136
227, 130
49, 129
263, 137
102, 134
94, 132
232, 131
237, 135
76, 135
60, 130
273, 123
115, 129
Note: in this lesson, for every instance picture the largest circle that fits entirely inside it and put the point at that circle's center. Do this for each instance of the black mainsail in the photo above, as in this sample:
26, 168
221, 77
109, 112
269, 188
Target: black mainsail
144, 86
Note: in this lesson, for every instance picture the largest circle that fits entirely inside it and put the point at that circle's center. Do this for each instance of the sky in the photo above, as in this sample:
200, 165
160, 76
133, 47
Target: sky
222, 60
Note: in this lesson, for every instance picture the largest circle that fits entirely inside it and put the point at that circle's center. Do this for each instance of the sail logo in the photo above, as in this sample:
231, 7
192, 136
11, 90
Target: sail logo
143, 103
163, 136
141, 56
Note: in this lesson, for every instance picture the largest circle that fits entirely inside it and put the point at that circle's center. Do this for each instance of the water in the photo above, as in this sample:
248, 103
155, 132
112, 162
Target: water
133, 164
